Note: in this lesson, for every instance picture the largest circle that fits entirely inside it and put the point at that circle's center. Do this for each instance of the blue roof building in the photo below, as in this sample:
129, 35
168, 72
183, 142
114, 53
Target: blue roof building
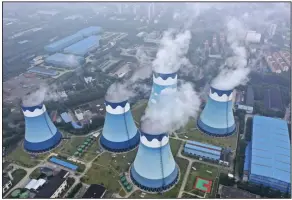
217, 117
203, 150
84, 46
270, 153
63, 43
40, 133
92, 30
65, 60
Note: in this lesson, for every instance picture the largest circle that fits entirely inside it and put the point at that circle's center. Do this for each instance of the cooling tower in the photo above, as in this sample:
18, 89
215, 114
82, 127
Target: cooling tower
154, 168
217, 117
40, 133
119, 131
162, 83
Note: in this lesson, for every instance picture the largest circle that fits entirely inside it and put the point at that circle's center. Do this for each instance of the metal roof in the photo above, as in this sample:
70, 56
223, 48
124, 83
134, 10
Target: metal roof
202, 149
65, 42
204, 145
92, 30
65, 60
84, 46
270, 156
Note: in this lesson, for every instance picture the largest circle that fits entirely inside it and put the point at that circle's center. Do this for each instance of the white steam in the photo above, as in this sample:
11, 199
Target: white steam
235, 72
44, 93
171, 54
118, 92
172, 111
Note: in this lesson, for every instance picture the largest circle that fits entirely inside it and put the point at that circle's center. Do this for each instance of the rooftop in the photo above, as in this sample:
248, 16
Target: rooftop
84, 46
270, 156
94, 191
50, 186
234, 193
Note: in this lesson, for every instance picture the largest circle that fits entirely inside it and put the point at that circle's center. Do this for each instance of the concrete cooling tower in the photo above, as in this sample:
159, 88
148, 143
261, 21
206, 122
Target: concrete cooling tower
154, 168
40, 133
119, 131
162, 83
217, 117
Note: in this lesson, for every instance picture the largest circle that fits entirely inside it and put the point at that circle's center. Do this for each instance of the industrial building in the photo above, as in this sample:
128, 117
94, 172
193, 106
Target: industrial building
84, 46
154, 168
40, 133
65, 61
203, 150
217, 117
6, 184
162, 83
43, 71
119, 132
53, 187
92, 30
248, 104
267, 159
63, 43
94, 191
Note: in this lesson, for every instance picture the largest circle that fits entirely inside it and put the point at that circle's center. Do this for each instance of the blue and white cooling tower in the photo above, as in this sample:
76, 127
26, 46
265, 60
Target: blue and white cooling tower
40, 133
119, 131
217, 117
154, 168
162, 83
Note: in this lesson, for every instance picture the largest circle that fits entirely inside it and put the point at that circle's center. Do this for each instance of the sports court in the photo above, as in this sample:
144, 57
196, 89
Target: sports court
203, 185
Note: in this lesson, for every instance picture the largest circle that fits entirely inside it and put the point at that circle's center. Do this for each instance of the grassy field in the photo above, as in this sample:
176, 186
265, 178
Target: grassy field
183, 164
22, 158
174, 145
103, 175
91, 151
18, 175
35, 174
106, 169
119, 163
201, 171
71, 146
122, 192
192, 133
138, 110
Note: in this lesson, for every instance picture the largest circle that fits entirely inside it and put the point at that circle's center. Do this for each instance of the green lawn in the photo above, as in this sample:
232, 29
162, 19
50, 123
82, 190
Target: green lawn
69, 148
35, 174
119, 163
102, 175
18, 175
201, 171
192, 133
183, 164
187, 196
174, 145
22, 158
122, 193
91, 151
138, 110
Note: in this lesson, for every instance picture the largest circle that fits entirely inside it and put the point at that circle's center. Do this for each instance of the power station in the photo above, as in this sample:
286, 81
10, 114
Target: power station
119, 132
217, 117
162, 83
154, 168
40, 133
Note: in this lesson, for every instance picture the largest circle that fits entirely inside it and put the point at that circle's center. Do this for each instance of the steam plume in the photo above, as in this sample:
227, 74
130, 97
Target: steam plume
44, 93
235, 71
172, 111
